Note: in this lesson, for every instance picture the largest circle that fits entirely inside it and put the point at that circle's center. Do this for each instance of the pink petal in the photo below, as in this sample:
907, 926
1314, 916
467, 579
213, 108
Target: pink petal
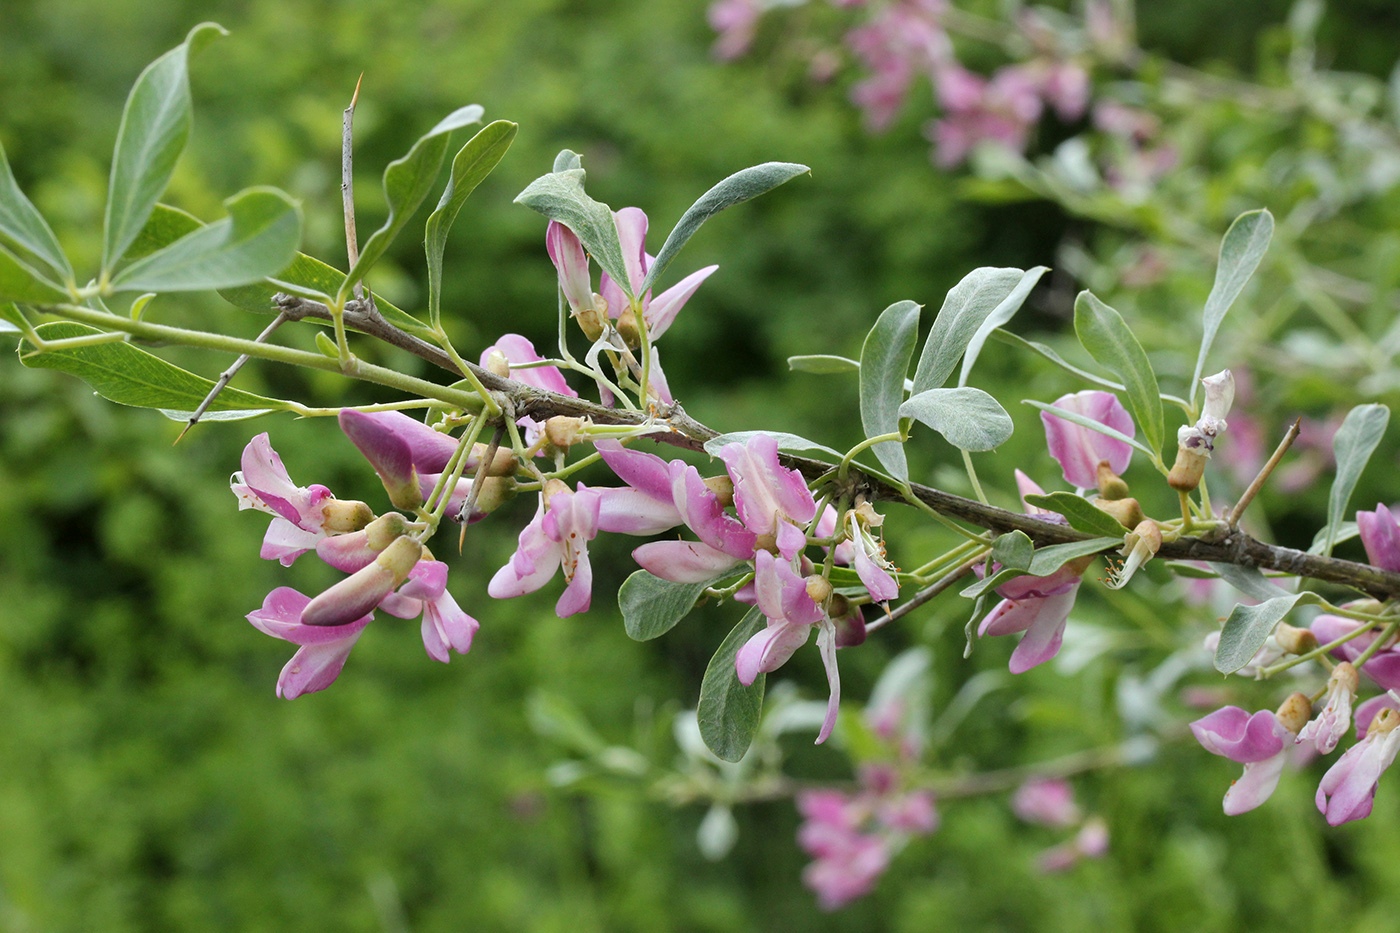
683, 561
314, 667
1078, 449
664, 307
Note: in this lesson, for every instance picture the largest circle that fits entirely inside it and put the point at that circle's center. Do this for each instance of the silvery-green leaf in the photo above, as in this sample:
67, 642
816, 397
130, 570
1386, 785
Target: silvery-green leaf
1355, 441
24, 230
560, 196
968, 418
822, 364
1002, 314
1240, 253
884, 361
1248, 627
966, 306
729, 712
1104, 334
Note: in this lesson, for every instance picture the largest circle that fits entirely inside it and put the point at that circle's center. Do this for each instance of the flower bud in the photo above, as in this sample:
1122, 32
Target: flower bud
1127, 511
364, 589
723, 488
1294, 640
818, 589
495, 492
502, 464
849, 622
628, 328
345, 515
592, 320
385, 530
563, 431
1111, 485
498, 365
1295, 712
1190, 465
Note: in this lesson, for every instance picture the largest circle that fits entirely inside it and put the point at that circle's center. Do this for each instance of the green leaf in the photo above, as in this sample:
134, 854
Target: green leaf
822, 364
1112, 345
407, 181
1248, 627
1005, 336
728, 712
127, 375
968, 418
1082, 514
1240, 253
165, 225
10, 318
1249, 581
1002, 314
968, 304
20, 282
1086, 422
1355, 441
257, 239
884, 362
24, 230
560, 196
651, 606
1013, 549
1345, 532
787, 443
739, 187
1044, 562
473, 162
566, 160
155, 125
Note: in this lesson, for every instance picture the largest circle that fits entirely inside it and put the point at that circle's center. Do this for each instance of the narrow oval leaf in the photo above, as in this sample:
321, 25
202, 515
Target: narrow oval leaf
968, 418
884, 361
473, 162
1353, 445
1249, 581
155, 125
1082, 514
651, 606
10, 318
787, 443
822, 364
1248, 627
560, 196
729, 712
1002, 314
24, 230
741, 186
257, 239
1104, 334
24, 284
967, 305
407, 181
127, 375
1240, 253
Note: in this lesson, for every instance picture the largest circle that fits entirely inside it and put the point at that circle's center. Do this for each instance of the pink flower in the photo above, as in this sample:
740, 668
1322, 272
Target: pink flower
322, 649
657, 312
1046, 802
724, 541
645, 505
873, 568
1260, 741
784, 599
518, 352
771, 499
1079, 450
557, 538
1090, 842
571, 262
298, 511
1380, 533
1349, 787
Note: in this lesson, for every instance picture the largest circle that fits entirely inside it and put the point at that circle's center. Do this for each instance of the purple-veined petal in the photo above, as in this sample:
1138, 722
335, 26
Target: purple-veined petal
634, 512
644, 472
285, 542
769, 650
632, 237
703, 514
1042, 639
280, 617
764, 490
533, 564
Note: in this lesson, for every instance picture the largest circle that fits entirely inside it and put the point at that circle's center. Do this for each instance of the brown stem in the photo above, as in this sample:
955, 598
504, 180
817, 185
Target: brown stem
673, 426
347, 181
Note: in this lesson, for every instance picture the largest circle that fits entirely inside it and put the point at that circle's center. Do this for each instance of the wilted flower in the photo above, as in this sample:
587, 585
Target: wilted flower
1327, 729
1349, 787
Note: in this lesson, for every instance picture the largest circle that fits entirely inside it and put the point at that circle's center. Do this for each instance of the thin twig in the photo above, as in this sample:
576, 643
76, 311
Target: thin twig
347, 181
927, 593
1233, 517
483, 470
227, 375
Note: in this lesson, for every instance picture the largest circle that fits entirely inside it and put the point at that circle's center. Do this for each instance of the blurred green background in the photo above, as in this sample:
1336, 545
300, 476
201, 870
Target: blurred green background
150, 780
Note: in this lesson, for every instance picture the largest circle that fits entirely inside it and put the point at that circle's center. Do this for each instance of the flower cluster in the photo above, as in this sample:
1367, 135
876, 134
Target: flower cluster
386, 564
1263, 741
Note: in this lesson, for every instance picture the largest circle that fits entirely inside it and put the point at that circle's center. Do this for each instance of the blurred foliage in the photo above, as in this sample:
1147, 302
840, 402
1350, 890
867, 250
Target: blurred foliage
150, 780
